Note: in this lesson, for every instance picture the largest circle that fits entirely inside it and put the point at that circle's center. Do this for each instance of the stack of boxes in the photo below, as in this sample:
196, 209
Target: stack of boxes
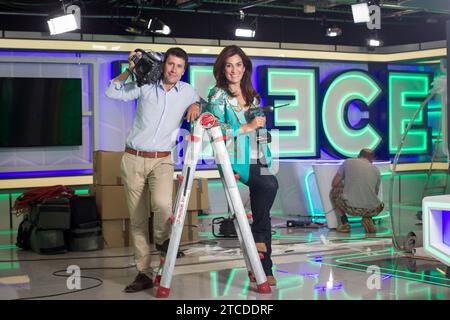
112, 205
110, 198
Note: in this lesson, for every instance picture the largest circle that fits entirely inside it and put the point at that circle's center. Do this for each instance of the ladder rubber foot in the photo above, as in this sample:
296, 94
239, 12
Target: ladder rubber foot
263, 288
251, 277
164, 292
157, 281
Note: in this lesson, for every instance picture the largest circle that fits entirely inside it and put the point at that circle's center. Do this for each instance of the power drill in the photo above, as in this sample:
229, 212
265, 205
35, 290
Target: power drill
251, 113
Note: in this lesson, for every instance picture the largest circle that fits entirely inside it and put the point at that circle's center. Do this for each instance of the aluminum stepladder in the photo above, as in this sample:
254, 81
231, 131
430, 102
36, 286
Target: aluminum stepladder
207, 122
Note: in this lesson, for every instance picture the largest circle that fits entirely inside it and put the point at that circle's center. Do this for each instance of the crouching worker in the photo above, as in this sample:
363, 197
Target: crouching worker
354, 191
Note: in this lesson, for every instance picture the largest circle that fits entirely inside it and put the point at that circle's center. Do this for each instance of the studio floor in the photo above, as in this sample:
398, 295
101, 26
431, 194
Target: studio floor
311, 263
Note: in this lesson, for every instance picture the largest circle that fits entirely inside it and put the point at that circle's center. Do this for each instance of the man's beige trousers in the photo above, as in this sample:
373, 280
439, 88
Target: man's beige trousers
141, 176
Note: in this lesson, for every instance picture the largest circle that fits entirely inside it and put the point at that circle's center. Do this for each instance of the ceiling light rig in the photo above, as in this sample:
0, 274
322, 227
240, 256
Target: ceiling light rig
148, 26
374, 40
360, 12
69, 21
333, 32
244, 29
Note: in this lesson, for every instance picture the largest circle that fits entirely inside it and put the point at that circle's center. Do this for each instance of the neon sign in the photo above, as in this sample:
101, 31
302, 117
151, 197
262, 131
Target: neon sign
300, 132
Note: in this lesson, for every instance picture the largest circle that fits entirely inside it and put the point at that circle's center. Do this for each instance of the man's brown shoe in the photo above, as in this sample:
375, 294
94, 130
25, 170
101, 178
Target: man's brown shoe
141, 282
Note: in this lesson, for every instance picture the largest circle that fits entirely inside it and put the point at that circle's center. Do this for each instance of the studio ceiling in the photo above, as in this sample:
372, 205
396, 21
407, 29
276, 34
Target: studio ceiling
295, 21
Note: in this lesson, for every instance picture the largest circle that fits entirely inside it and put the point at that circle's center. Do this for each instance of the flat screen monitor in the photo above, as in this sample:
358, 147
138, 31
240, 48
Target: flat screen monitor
40, 112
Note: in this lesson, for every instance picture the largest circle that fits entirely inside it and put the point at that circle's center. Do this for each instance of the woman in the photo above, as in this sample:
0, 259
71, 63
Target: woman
232, 96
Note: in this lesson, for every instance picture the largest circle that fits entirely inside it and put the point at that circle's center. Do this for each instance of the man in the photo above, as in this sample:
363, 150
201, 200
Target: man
354, 191
147, 163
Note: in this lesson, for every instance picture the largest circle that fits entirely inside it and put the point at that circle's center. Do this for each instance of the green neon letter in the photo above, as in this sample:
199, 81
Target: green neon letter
349, 86
404, 86
301, 113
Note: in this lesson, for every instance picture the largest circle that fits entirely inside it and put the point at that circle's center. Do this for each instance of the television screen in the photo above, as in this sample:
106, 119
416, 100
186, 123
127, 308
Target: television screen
40, 112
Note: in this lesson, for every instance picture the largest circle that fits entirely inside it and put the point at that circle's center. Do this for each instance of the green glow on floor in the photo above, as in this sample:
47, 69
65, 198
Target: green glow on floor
215, 283
391, 251
418, 288
384, 214
353, 236
245, 287
318, 218
214, 290
343, 261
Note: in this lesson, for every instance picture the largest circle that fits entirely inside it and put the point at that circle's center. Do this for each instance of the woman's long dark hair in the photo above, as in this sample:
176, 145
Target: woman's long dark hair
248, 92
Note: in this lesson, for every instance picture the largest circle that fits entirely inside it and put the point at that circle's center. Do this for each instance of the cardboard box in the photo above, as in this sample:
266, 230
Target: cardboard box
116, 233
107, 168
111, 202
190, 228
199, 195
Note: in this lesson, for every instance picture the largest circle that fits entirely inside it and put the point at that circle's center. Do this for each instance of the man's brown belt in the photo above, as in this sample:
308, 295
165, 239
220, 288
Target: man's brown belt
148, 154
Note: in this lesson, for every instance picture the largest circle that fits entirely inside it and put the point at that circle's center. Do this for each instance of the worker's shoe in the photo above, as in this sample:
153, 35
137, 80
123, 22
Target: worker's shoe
344, 228
368, 225
141, 282
164, 247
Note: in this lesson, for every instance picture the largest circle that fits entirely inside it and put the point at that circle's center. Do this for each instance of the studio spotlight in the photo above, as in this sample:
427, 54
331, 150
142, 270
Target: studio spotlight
244, 29
360, 12
333, 32
70, 21
156, 26
372, 42
143, 26
244, 32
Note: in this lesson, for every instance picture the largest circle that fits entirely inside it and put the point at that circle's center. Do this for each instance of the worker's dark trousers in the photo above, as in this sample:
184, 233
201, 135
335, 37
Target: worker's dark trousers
263, 189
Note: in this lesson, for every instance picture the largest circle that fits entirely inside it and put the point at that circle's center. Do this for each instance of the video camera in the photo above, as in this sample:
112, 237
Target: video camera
252, 113
148, 67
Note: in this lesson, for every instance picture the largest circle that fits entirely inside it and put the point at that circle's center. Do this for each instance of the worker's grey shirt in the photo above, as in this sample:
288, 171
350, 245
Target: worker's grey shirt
158, 115
361, 183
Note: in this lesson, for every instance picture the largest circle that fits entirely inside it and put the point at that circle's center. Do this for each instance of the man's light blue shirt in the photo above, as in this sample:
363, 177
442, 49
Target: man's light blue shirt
158, 114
